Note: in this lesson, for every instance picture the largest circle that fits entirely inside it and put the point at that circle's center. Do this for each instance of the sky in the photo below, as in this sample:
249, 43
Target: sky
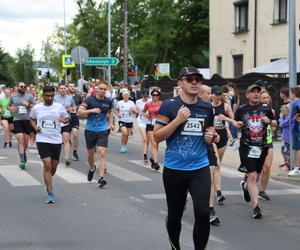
31, 21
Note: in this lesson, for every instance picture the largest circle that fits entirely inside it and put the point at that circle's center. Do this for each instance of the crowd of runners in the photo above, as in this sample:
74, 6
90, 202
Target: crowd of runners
198, 124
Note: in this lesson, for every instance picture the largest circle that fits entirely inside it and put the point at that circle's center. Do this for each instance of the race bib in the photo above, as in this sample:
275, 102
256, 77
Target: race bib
193, 126
126, 114
254, 152
22, 110
6, 113
143, 118
218, 122
48, 124
153, 122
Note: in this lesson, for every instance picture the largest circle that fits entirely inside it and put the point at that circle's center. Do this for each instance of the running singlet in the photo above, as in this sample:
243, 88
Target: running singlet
254, 131
125, 109
186, 148
4, 105
97, 122
140, 104
152, 109
219, 110
47, 118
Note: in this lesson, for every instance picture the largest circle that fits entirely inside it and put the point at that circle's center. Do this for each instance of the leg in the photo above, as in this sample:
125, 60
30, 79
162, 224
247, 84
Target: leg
176, 192
66, 141
54, 164
124, 137
47, 173
199, 187
252, 189
75, 139
212, 188
144, 140
265, 176
90, 156
101, 153
218, 176
154, 147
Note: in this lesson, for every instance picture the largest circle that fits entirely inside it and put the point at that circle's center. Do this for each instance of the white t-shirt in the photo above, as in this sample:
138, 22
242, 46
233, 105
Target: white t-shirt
48, 120
140, 104
125, 109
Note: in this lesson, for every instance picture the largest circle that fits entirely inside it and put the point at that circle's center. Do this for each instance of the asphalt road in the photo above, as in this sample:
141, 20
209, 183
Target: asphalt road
129, 212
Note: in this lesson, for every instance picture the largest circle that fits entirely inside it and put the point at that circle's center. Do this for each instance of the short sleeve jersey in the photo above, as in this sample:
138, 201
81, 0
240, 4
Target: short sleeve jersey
4, 105
125, 109
186, 147
254, 131
97, 122
22, 112
152, 109
47, 118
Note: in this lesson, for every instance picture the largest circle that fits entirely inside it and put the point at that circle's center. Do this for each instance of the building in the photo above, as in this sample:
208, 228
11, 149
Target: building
42, 69
248, 33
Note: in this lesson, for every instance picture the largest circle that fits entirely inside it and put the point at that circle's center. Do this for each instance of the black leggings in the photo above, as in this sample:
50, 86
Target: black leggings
177, 183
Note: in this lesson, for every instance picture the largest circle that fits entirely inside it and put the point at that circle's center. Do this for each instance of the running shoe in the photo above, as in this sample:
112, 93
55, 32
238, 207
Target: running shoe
75, 156
9, 144
5, 145
91, 174
155, 165
151, 160
257, 213
101, 182
50, 198
263, 195
294, 172
231, 142
213, 218
67, 162
146, 159
246, 194
220, 198
285, 167
123, 149
22, 165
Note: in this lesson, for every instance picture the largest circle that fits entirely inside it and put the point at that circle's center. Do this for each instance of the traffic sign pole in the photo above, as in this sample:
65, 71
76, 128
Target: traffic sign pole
109, 42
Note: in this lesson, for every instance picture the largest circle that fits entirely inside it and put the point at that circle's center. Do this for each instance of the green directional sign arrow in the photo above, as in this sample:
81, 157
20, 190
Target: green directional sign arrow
101, 61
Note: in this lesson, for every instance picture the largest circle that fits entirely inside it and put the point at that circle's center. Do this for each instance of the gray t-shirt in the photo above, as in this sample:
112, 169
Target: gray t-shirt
22, 112
66, 101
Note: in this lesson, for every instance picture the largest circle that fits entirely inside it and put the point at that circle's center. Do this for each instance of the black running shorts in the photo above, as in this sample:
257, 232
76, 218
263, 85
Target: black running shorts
49, 150
149, 127
66, 129
223, 137
211, 154
125, 124
96, 138
22, 126
74, 122
252, 164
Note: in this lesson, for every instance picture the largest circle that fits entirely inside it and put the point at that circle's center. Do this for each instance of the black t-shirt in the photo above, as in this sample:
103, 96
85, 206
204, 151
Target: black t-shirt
254, 131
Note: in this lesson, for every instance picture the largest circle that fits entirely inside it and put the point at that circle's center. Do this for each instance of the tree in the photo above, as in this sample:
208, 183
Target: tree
24, 65
6, 68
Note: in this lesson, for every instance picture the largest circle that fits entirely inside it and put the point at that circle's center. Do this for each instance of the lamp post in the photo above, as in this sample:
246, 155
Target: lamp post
125, 66
109, 41
65, 38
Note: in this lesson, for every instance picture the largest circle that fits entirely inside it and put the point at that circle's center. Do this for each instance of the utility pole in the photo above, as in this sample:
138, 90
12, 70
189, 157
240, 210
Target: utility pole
109, 41
65, 37
292, 63
125, 66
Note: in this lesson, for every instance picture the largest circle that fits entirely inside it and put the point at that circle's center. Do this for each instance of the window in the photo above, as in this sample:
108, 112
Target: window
241, 16
219, 65
238, 65
280, 11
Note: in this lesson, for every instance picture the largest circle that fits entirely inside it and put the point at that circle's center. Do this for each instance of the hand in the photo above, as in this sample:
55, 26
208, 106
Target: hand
63, 120
265, 120
297, 117
222, 117
216, 138
25, 103
112, 127
183, 114
13, 108
37, 129
95, 110
238, 124
209, 136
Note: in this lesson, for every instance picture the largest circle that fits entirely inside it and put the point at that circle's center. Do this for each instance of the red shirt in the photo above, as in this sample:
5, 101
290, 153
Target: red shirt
152, 108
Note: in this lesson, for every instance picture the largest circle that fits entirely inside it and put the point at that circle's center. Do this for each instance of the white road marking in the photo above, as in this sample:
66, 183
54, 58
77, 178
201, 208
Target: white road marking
71, 175
32, 151
124, 174
3, 157
17, 177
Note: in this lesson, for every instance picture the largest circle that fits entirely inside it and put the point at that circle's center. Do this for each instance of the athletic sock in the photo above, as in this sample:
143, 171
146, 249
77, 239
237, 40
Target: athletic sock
22, 157
219, 193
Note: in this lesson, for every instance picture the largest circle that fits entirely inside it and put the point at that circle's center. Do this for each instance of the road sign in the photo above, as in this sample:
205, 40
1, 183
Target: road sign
101, 61
79, 53
67, 61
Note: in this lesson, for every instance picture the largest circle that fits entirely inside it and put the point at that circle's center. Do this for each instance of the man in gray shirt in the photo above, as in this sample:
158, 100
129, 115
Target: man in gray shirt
19, 105
67, 101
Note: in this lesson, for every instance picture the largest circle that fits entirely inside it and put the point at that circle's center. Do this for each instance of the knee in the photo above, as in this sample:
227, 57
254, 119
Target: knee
252, 177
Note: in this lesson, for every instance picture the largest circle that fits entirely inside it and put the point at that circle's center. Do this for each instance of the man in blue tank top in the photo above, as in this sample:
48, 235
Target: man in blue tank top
186, 123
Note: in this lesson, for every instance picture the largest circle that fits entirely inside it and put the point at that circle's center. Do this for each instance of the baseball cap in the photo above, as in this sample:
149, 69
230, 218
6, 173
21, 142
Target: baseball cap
186, 71
253, 86
260, 82
145, 92
216, 89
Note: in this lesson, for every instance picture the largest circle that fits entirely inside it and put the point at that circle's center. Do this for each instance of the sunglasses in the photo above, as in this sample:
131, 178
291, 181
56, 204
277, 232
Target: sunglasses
22, 86
190, 79
155, 95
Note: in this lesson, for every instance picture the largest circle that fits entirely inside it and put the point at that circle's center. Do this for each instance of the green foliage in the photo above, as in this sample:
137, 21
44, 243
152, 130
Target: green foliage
6, 68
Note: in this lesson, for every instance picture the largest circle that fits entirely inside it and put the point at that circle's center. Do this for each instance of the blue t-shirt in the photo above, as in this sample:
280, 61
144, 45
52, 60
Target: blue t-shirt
186, 148
294, 110
97, 122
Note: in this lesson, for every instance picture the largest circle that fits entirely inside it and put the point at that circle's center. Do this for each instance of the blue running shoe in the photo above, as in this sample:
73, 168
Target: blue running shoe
50, 198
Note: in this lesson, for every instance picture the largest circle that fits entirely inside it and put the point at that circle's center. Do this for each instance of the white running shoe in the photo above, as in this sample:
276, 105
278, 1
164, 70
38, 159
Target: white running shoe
295, 171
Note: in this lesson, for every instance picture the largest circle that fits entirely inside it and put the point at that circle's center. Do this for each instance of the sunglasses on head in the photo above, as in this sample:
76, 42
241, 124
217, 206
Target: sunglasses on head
190, 79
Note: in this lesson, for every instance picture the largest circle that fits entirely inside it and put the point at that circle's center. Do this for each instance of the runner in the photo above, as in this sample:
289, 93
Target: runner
67, 101
125, 110
253, 118
222, 110
151, 110
6, 118
265, 175
46, 118
205, 95
142, 122
75, 120
186, 123
20, 104
98, 110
